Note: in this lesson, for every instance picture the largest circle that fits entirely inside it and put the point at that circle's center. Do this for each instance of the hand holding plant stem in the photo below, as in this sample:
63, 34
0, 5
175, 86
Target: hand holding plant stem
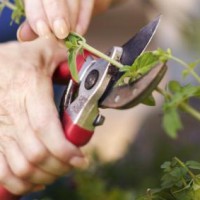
176, 96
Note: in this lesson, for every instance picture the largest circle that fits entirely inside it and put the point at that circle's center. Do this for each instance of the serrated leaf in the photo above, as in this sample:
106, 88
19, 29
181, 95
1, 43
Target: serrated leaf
171, 122
149, 101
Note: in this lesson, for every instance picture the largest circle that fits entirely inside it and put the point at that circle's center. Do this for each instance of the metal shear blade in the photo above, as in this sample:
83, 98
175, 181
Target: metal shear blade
132, 94
127, 96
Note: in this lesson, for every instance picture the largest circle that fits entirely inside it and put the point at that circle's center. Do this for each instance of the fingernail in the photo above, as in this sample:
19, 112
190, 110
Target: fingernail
42, 29
38, 188
79, 162
79, 29
19, 38
60, 28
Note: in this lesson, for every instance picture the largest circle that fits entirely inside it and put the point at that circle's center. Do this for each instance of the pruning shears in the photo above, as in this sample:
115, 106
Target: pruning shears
79, 108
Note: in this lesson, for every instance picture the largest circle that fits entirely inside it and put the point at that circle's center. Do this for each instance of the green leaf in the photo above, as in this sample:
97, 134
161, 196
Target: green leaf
149, 101
166, 166
171, 122
191, 67
196, 186
180, 94
74, 43
194, 64
162, 55
72, 65
19, 12
1, 7
174, 86
141, 66
193, 164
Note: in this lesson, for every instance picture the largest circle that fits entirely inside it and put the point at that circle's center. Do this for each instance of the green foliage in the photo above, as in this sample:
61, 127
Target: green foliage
18, 13
191, 66
178, 182
142, 65
87, 185
176, 97
163, 56
17, 9
74, 43
149, 101
172, 122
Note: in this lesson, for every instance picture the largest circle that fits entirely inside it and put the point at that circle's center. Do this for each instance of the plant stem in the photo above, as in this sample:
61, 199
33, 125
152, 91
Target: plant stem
187, 108
8, 4
190, 110
101, 55
184, 64
185, 167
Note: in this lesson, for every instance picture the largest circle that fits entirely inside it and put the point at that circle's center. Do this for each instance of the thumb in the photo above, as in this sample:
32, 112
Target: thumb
46, 53
25, 32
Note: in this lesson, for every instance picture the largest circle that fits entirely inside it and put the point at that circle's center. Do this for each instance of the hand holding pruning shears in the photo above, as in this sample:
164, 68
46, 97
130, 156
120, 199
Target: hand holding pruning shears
58, 17
79, 108
33, 148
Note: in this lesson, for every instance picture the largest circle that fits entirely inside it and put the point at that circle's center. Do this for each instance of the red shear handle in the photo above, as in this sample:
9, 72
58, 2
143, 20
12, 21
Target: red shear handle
74, 133
62, 74
5, 195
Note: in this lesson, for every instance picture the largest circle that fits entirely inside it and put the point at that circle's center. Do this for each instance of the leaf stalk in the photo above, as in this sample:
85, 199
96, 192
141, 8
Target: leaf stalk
101, 55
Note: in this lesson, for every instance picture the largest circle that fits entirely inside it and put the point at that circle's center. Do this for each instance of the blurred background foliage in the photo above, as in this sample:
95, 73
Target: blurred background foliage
126, 153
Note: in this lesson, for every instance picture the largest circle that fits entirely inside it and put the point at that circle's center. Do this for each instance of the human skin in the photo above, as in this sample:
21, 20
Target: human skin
33, 149
59, 17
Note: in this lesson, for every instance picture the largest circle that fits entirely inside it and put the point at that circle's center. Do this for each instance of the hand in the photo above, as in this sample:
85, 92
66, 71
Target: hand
33, 149
57, 16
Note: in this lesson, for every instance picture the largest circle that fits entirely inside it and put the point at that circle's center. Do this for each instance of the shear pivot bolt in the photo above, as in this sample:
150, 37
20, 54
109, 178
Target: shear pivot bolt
91, 79
99, 120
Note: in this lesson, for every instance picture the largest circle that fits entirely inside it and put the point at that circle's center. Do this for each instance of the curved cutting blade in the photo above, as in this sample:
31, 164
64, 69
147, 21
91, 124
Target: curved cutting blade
127, 96
131, 50
136, 45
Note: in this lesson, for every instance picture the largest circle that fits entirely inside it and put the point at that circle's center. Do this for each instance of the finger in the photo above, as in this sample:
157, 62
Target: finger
36, 17
11, 182
58, 17
45, 122
25, 33
74, 9
22, 168
23, 159
54, 166
85, 14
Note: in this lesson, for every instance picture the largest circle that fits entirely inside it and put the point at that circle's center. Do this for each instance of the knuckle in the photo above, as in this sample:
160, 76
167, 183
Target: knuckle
64, 152
37, 155
21, 189
49, 180
44, 119
23, 170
